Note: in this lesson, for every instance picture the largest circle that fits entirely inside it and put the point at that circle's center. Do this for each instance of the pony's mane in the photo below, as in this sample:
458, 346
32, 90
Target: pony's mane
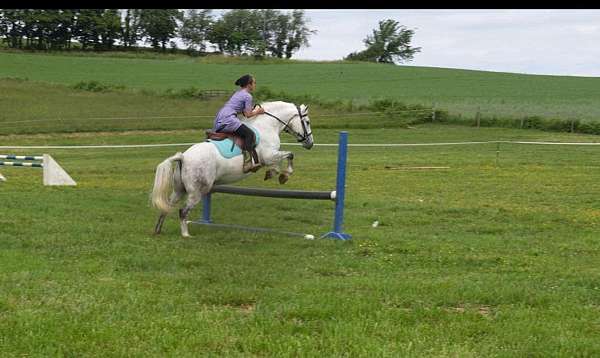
274, 105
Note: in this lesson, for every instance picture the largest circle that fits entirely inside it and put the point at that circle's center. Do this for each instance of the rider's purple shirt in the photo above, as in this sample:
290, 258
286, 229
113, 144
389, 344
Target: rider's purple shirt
226, 119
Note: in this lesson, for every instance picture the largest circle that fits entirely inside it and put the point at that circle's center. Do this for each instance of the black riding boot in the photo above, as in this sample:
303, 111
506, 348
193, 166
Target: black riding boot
251, 162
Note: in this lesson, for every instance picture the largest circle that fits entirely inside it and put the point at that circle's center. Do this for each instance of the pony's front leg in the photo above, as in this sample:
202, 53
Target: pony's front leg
285, 175
273, 162
272, 170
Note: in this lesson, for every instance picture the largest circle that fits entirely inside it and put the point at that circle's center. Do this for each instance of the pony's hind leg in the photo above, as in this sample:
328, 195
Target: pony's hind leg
192, 201
159, 223
175, 197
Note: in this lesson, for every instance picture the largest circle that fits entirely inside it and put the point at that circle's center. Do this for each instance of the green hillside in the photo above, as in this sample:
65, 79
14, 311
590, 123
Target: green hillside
458, 91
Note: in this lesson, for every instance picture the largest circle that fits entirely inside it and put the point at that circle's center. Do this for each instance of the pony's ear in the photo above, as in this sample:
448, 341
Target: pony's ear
304, 108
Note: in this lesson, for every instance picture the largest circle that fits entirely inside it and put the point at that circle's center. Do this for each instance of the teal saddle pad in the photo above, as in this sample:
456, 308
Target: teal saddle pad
224, 146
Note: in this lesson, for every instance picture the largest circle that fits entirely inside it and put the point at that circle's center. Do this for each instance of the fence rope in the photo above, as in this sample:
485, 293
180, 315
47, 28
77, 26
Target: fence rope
295, 144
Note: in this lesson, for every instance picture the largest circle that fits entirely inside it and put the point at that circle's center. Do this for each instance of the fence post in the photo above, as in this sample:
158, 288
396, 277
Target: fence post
340, 190
572, 125
497, 153
206, 209
478, 116
433, 112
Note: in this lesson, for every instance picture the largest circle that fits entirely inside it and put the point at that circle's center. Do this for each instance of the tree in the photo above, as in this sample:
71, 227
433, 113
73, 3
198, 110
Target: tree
53, 28
62, 32
87, 28
298, 33
131, 29
12, 22
109, 28
30, 20
235, 32
282, 34
3, 26
159, 25
260, 32
195, 27
41, 28
388, 44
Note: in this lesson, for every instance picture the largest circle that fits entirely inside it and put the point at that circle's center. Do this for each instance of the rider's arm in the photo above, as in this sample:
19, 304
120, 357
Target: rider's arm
254, 112
248, 111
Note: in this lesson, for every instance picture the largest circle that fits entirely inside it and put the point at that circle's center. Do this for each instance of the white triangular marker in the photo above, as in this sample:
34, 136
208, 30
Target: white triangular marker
2, 178
54, 174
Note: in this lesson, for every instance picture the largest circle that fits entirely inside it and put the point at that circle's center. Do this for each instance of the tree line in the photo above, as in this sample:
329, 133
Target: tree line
256, 32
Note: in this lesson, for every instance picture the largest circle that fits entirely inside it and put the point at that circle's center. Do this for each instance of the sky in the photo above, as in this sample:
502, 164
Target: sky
536, 41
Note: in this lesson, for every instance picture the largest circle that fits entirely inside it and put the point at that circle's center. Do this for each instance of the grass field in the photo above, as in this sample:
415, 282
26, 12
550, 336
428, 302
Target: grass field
495, 256
458, 91
470, 261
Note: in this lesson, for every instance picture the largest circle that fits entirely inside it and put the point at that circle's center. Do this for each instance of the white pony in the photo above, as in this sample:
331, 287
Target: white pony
202, 166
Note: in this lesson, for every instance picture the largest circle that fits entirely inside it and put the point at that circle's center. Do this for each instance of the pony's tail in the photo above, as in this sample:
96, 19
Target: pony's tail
164, 182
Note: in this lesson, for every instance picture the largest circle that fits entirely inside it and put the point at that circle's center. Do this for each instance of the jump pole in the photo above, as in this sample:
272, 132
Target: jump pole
338, 196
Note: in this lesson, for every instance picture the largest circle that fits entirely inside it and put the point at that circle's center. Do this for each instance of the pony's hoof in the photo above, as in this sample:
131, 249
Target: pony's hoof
268, 175
283, 178
188, 236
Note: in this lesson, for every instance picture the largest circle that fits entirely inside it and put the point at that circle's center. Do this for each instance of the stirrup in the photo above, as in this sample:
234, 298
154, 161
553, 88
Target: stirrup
249, 165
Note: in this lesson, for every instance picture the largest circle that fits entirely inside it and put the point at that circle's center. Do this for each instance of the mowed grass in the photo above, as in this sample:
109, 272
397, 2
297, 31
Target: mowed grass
474, 260
459, 91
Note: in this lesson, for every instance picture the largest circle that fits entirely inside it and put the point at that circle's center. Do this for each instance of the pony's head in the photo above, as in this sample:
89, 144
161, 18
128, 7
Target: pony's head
292, 119
306, 137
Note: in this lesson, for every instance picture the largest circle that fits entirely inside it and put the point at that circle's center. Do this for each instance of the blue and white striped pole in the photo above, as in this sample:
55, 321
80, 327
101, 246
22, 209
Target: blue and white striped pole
340, 190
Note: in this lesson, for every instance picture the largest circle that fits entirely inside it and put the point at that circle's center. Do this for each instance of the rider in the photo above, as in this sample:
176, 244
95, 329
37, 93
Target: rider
227, 121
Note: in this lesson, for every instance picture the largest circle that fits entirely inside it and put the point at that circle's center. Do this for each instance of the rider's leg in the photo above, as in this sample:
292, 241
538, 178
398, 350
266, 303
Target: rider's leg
249, 138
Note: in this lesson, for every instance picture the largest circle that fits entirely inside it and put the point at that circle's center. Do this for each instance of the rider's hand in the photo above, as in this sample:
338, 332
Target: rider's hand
260, 110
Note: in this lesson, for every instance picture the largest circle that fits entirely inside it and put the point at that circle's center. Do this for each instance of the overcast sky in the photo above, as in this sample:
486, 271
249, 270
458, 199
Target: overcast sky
555, 42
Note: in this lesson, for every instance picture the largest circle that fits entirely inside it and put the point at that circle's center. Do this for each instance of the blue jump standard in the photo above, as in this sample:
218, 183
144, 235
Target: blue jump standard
340, 189
338, 196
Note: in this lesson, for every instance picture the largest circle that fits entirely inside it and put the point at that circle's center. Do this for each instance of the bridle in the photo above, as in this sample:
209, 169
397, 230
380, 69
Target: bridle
299, 137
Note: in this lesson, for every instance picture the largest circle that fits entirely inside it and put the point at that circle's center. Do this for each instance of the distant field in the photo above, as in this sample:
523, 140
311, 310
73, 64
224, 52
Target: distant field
459, 91
39, 107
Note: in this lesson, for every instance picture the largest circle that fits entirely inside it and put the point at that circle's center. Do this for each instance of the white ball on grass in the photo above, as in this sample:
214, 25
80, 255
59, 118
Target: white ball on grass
309, 237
